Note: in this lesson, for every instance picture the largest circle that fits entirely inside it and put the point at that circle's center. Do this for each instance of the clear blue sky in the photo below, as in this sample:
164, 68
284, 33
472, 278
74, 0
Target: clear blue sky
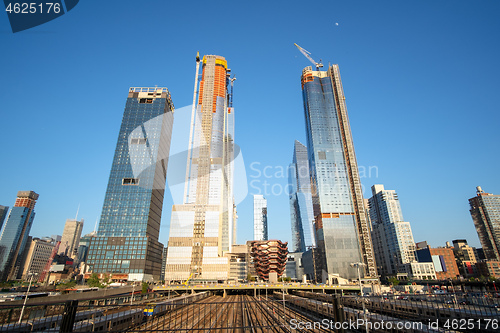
421, 80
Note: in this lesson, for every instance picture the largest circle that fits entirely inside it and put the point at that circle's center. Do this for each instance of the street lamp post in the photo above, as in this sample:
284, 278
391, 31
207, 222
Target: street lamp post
284, 314
357, 264
453, 291
26, 297
132, 296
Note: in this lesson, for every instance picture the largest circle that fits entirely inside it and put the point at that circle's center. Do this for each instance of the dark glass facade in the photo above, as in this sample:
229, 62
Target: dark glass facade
301, 207
3, 214
342, 230
485, 212
14, 234
127, 238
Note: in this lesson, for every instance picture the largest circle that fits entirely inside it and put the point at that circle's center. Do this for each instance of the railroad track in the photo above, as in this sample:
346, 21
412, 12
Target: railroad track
182, 319
233, 314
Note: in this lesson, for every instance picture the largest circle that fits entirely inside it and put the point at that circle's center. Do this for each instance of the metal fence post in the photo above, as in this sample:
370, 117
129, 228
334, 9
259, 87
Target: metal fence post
69, 316
338, 311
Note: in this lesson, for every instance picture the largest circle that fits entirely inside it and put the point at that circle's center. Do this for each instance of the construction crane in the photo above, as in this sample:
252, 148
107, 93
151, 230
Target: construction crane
46, 269
231, 92
307, 55
189, 278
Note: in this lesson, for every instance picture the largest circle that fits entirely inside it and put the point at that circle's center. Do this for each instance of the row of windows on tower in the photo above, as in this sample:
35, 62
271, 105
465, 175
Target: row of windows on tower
130, 181
117, 269
110, 255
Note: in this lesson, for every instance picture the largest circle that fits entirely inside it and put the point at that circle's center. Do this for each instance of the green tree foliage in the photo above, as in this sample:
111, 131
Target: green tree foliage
394, 281
106, 281
145, 287
94, 281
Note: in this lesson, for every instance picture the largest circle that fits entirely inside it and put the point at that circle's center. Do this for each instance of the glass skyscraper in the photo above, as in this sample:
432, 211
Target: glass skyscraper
301, 207
201, 228
15, 232
127, 238
260, 218
3, 214
392, 237
340, 217
485, 212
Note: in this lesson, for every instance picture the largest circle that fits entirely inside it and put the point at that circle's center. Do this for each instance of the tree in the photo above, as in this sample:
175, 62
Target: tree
94, 281
106, 281
145, 287
394, 281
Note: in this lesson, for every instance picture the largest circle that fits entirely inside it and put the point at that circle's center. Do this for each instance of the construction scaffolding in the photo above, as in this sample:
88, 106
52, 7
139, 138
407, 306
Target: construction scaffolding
353, 173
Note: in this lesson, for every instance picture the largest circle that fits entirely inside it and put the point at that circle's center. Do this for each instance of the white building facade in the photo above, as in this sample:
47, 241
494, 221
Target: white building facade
392, 237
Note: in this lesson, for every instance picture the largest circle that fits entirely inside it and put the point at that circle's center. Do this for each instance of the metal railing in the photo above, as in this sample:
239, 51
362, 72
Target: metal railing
279, 312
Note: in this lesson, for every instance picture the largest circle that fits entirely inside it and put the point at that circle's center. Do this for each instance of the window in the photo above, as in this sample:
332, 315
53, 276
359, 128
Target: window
130, 181
146, 101
138, 141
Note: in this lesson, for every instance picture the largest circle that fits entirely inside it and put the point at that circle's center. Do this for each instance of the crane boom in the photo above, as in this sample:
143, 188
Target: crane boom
49, 262
307, 55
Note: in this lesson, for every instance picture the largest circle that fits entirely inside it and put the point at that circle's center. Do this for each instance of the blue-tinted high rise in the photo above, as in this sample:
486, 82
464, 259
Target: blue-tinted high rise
127, 238
260, 218
15, 232
301, 207
3, 214
340, 217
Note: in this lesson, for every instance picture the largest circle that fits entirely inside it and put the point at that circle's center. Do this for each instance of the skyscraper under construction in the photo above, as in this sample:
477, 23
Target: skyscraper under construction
201, 228
342, 230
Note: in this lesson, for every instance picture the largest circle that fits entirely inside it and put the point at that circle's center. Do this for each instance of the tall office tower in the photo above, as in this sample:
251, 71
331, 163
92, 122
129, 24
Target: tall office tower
343, 235
14, 234
259, 218
301, 207
485, 212
163, 263
127, 238
201, 228
35, 256
71, 238
392, 238
3, 214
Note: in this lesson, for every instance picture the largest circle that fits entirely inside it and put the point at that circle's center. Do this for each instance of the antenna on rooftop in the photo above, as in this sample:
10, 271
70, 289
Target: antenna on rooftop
78, 209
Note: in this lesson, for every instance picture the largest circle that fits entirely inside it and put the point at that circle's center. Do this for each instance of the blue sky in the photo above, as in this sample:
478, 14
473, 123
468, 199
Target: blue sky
420, 79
